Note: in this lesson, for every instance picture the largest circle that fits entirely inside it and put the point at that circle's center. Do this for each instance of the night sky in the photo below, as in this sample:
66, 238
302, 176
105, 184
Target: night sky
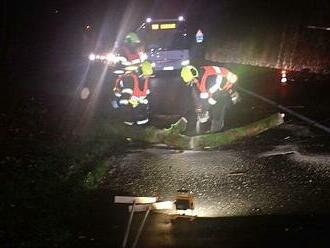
44, 30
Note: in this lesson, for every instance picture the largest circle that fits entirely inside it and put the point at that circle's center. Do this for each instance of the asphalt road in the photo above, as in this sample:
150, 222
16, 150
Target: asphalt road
269, 190
262, 183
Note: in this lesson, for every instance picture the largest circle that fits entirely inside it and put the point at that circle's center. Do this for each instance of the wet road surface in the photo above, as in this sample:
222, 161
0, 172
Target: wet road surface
271, 187
256, 187
254, 177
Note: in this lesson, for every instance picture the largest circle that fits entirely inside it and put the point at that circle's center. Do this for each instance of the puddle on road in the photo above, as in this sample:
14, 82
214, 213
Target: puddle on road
315, 161
280, 150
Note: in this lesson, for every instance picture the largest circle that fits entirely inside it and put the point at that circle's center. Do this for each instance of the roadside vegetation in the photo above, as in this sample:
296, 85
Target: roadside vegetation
48, 175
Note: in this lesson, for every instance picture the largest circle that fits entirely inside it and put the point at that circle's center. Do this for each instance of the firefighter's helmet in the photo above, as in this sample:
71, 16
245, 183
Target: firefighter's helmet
147, 69
188, 73
132, 38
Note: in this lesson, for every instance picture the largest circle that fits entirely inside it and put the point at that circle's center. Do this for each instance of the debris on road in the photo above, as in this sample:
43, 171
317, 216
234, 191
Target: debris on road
173, 136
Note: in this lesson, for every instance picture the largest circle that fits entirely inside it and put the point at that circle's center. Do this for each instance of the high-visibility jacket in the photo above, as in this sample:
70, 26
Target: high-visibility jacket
127, 89
220, 83
130, 57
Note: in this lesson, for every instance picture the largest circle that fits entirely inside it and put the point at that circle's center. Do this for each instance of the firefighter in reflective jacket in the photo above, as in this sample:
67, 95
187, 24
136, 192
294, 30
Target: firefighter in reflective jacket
130, 53
213, 92
131, 91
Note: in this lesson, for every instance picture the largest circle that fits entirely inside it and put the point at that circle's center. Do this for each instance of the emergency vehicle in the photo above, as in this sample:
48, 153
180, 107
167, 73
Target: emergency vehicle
166, 43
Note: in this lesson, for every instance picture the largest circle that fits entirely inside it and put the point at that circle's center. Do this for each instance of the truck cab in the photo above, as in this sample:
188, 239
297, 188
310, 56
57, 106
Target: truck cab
166, 43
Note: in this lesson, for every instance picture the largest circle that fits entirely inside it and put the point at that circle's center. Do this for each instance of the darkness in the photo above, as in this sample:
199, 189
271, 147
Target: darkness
46, 30
52, 168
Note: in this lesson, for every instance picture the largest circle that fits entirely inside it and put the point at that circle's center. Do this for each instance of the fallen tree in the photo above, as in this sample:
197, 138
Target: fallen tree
173, 136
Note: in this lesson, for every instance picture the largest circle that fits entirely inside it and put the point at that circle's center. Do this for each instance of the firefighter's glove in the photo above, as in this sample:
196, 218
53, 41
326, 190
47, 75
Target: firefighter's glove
134, 102
203, 117
235, 98
199, 109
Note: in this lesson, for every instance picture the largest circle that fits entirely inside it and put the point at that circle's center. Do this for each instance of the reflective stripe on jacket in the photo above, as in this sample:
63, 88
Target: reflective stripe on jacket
133, 57
136, 93
206, 92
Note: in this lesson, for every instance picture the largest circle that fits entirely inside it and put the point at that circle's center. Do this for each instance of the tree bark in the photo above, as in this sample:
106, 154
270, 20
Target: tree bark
173, 136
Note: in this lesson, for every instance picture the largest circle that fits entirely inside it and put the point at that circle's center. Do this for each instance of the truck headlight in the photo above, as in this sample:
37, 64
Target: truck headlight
92, 57
110, 57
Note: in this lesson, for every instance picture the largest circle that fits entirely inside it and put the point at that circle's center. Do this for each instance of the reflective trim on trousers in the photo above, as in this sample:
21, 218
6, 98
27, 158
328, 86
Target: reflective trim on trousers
142, 122
212, 101
234, 98
204, 95
128, 123
123, 102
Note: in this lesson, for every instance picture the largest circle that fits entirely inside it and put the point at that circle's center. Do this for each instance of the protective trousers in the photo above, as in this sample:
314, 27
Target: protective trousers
218, 112
211, 117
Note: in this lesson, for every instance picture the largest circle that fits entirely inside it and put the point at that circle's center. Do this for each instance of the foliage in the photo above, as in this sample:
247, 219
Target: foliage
48, 175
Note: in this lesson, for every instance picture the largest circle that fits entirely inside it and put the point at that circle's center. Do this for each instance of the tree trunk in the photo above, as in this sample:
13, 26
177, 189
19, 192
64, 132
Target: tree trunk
173, 136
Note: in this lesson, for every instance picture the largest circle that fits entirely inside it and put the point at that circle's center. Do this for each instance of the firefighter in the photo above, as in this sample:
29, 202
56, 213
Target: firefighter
131, 51
131, 91
212, 91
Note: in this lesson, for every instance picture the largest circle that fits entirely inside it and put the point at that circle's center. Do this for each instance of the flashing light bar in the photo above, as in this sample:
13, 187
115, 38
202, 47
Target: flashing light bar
163, 26
168, 26
155, 26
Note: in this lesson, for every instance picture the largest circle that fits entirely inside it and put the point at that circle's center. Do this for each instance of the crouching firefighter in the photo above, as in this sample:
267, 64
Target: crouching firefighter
213, 92
131, 92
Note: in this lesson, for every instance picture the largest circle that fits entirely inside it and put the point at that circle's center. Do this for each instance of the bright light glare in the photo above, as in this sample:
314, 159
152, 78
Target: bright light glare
181, 18
92, 57
137, 199
284, 80
118, 72
148, 20
111, 57
84, 94
185, 62
163, 205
